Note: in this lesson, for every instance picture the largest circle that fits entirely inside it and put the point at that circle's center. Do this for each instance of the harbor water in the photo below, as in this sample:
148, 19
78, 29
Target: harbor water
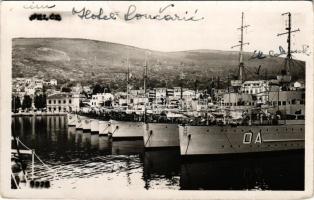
77, 159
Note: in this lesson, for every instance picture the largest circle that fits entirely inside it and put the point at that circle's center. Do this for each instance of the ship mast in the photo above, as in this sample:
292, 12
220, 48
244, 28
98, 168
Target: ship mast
286, 72
127, 82
181, 89
145, 79
242, 43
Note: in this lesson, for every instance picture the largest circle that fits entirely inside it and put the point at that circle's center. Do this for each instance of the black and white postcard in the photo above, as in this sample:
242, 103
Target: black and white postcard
157, 99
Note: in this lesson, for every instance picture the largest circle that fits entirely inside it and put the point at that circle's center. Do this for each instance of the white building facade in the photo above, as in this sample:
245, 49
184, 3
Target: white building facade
99, 99
63, 102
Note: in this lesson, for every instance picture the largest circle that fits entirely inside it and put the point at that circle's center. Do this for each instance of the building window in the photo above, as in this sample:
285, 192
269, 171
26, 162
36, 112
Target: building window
59, 101
70, 101
284, 103
64, 101
279, 103
49, 102
293, 101
54, 101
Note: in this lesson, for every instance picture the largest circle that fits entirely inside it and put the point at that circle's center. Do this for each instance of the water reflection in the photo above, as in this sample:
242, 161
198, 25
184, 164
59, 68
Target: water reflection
282, 171
161, 169
94, 141
86, 140
104, 144
127, 147
85, 160
71, 133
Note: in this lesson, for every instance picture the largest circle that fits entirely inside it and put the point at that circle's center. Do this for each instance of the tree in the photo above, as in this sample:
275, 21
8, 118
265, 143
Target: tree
98, 89
107, 89
108, 103
66, 89
40, 101
16, 103
37, 101
27, 102
82, 104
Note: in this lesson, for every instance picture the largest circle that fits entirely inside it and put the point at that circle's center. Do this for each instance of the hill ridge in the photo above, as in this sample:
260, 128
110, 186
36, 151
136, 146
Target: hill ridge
89, 61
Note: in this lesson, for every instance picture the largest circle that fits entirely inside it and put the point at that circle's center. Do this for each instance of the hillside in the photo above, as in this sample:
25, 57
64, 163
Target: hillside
90, 61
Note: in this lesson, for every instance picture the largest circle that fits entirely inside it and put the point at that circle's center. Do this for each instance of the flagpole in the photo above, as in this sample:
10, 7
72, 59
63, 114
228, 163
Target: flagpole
127, 80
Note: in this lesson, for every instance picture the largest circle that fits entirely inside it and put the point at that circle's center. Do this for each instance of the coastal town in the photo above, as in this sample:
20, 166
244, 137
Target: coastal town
39, 96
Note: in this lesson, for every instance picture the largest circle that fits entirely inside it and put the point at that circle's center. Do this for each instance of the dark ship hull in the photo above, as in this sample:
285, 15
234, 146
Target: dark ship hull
161, 135
125, 130
210, 140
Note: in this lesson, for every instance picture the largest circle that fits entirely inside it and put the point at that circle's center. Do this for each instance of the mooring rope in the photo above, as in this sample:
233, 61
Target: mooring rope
150, 134
189, 139
106, 127
114, 130
42, 162
15, 181
19, 141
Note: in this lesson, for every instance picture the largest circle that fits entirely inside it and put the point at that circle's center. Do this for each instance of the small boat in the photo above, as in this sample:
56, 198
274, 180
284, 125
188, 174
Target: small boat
20, 179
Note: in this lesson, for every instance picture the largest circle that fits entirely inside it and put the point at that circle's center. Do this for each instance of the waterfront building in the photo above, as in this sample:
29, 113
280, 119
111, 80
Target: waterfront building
188, 94
254, 87
101, 99
77, 89
53, 82
289, 102
170, 93
161, 93
63, 102
139, 92
151, 95
87, 89
30, 90
177, 92
237, 99
138, 100
38, 83
298, 85
28, 81
259, 86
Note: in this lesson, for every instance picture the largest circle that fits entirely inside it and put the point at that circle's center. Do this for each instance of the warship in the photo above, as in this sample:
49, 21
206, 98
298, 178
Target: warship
104, 127
71, 119
161, 135
126, 130
273, 121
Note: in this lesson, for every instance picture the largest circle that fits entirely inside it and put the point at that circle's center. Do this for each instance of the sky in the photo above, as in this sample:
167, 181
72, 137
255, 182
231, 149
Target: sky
217, 31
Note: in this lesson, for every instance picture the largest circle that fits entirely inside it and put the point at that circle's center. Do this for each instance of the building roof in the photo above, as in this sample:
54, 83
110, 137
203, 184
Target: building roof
59, 96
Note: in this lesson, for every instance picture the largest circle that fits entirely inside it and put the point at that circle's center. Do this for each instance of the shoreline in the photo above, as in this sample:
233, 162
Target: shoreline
38, 114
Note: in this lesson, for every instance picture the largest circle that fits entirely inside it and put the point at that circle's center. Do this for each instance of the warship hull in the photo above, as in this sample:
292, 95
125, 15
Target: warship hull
86, 124
79, 123
124, 130
161, 135
71, 119
94, 126
211, 140
104, 128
